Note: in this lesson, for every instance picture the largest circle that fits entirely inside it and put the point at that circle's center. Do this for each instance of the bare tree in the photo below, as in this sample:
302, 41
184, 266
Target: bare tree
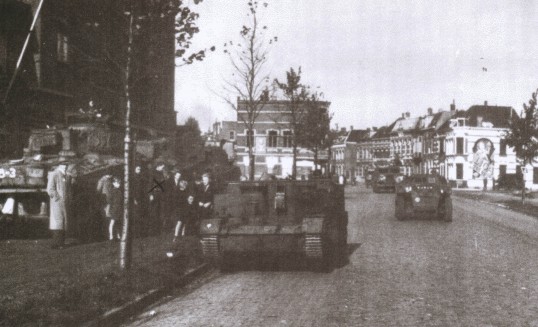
127, 64
250, 81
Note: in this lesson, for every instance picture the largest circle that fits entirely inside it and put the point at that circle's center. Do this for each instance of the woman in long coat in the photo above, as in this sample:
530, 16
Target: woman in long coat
59, 192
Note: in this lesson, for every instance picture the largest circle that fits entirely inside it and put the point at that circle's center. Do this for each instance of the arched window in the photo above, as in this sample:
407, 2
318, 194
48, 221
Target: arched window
272, 137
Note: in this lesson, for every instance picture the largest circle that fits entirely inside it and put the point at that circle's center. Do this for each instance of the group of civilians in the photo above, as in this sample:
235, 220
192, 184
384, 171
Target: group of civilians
163, 201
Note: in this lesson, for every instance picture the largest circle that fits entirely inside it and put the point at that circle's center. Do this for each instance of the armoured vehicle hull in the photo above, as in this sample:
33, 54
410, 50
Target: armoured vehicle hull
385, 179
279, 217
424, 194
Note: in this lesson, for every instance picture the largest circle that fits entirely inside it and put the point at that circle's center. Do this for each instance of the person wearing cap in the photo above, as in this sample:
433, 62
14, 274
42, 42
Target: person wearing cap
58, 189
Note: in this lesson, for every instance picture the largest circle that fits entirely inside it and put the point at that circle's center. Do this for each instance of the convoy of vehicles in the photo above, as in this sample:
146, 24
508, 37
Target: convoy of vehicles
424, 193
277, 217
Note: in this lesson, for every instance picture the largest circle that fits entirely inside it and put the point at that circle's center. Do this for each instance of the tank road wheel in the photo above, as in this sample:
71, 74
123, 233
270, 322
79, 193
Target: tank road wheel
401, 208
445, 209
315, 249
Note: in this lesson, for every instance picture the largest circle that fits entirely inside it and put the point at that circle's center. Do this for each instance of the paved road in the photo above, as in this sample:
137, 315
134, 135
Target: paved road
474, 271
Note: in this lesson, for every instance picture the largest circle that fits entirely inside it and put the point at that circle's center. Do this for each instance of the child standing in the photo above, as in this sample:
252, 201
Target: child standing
115, 210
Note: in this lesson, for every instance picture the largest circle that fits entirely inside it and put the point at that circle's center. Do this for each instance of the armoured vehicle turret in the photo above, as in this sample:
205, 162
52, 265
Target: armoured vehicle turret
279, 217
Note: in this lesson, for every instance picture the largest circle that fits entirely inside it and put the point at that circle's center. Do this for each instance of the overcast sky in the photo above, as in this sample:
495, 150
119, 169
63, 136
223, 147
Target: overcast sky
375, 59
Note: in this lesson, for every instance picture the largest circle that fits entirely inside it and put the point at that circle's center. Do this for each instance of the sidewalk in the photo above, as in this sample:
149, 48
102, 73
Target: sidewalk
505, 199
40, 286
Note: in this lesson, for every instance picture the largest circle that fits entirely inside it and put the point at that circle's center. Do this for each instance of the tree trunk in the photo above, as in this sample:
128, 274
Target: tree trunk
125, 244
294, 167
523, 183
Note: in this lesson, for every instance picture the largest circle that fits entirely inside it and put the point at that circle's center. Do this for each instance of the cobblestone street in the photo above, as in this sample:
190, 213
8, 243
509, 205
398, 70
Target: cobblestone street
475, 271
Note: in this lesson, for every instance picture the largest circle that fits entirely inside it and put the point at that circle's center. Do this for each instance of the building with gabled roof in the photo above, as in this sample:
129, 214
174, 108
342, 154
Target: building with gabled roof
474, 146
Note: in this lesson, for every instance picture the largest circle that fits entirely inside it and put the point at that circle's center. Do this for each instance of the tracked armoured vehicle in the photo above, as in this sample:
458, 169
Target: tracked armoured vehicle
92, 149
279, 217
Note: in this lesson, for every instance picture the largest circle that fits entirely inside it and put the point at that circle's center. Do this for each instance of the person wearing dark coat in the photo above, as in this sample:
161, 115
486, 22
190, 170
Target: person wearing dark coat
190, 216
205, 197
140, 202
156, 195
115, 210
180, 198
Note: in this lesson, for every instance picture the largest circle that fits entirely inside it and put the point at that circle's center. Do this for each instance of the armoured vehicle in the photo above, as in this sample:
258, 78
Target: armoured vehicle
92, 150
278, 217
385, 179
424, 193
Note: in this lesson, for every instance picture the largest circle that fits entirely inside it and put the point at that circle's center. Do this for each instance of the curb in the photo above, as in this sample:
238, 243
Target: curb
116, 316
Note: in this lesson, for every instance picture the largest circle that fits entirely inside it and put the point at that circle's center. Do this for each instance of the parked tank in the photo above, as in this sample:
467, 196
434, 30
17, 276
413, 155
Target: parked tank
92, 149
279, 217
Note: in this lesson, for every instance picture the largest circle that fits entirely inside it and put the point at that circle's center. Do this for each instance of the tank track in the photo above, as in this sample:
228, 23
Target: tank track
210, 246
313, 246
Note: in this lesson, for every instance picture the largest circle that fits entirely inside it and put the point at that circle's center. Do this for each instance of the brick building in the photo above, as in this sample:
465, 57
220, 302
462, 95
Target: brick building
271, 140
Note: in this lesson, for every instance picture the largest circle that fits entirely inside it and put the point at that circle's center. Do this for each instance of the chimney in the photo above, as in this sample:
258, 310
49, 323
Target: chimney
407, 114
453, 106
351, 127
336, 126
430, 111
479, 121
485, 103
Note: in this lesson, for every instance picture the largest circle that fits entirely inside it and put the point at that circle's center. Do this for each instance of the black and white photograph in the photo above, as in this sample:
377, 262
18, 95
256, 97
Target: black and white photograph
268, 163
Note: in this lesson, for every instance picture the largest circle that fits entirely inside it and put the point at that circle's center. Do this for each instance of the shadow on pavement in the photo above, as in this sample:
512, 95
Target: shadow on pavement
284, 262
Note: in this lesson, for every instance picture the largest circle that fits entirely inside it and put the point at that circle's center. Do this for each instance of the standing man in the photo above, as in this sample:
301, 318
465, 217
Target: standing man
58, 188
140, 201
205, 197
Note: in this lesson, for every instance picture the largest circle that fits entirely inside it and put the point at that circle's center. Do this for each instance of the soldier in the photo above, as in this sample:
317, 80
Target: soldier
58, 188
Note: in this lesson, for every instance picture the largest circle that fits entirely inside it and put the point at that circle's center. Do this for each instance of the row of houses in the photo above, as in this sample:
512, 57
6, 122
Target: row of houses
465, 146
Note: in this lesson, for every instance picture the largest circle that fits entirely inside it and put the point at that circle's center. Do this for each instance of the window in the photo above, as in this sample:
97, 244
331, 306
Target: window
459, 145
502, 150
442, 145
286, 139
459, 171
62, 47
272, 137
535, 175
250, 138
232, 135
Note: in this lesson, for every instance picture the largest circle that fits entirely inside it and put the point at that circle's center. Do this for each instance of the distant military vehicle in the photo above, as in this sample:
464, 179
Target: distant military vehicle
385, 179
278, 217
424, 193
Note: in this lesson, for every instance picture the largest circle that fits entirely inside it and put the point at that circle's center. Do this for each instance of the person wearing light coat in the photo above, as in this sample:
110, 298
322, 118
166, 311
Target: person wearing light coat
58, 188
